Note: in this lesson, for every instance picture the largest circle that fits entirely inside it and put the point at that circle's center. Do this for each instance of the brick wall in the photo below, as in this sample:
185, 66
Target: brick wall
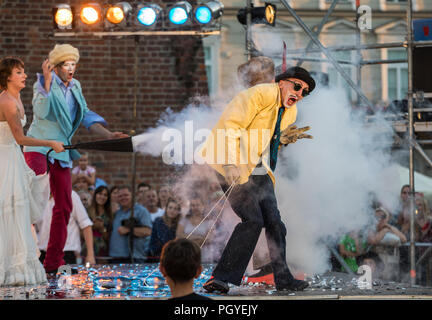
170, 72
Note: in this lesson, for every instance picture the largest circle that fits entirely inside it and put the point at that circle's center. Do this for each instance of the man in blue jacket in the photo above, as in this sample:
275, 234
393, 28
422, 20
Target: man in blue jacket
59, 109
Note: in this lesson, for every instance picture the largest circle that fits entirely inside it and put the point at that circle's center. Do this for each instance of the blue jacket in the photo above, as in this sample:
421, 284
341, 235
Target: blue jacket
161, 234
52, 120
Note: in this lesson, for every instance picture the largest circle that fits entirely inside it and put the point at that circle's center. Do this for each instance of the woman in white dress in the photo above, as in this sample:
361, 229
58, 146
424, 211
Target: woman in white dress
23, 195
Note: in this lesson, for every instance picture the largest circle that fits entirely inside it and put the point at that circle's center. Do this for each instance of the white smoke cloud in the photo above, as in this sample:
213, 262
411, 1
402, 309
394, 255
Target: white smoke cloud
323, 185
178, 131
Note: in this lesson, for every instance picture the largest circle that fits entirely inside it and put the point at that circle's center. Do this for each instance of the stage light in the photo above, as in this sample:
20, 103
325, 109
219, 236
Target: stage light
270, 14
90, 13
180, 13
63, 16
148, 14
260, 15
208, 12
117, 15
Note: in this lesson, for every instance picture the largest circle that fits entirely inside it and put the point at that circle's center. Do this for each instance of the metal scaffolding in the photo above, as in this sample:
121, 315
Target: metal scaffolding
409, 44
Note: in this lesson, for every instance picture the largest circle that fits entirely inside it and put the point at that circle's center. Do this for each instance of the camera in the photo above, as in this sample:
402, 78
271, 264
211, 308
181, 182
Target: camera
130, 223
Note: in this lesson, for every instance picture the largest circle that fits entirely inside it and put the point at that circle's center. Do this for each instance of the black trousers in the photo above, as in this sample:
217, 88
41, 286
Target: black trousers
255, 204
69, 257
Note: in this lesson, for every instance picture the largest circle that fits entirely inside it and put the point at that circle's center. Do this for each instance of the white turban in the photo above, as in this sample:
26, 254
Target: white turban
63, 52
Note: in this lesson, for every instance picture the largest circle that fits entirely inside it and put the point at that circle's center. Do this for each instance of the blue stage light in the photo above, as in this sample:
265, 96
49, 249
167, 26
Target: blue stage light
208, 12
148, 14
179, 13
203, 15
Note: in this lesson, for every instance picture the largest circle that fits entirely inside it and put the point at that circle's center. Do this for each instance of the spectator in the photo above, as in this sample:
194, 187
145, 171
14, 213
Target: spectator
164, 229
141, 190
84, 171
423, 219
423, 227
101, 215
79, 220
180, 264
151, 204
403, 207
81, 184
114, 199
164, 195
119, 240
404, 218
85, 197
385, 238
351, 246
192, 226
385, 233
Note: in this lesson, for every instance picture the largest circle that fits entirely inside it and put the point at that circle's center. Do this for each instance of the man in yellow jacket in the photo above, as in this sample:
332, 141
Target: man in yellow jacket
242, 149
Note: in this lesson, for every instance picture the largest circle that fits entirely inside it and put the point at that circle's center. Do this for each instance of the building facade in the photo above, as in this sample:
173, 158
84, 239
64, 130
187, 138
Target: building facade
388, 24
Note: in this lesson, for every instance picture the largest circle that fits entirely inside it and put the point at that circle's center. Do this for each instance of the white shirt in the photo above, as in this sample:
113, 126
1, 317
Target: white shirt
159, 213
79, 219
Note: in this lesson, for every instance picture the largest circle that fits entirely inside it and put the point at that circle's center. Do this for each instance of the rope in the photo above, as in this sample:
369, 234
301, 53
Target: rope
220, 212
227, 193
211, 210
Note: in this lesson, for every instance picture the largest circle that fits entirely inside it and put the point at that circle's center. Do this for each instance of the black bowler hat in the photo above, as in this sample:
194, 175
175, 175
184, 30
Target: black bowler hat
298, 73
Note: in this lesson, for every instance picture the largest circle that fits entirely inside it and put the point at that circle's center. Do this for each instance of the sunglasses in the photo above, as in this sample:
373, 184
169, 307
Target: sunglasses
298, 87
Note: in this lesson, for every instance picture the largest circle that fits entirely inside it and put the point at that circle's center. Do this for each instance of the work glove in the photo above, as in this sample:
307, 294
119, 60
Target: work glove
291, 134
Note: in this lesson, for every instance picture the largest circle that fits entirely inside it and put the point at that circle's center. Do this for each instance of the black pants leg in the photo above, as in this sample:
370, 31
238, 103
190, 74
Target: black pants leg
275, 231
255, 203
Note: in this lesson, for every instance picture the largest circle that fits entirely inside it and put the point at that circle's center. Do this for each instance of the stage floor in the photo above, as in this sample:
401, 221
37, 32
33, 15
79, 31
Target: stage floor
144, 281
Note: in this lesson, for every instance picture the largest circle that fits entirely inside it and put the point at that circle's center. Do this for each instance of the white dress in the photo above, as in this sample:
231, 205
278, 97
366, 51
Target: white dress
23, 197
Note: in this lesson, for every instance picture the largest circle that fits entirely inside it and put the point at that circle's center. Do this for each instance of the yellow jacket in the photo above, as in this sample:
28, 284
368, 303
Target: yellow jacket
243, 133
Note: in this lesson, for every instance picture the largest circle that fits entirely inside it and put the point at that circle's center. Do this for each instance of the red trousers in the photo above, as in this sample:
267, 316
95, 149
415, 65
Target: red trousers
61, 189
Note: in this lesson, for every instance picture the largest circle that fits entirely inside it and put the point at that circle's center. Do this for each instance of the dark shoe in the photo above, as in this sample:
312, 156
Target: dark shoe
265, 275
214, 284
264, 271
295, 285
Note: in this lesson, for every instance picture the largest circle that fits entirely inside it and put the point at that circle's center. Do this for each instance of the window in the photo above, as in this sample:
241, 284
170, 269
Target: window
211, 62
335, 79
397, 75
208, 67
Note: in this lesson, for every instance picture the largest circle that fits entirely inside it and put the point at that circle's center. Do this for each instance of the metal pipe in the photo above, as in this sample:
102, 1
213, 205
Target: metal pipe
341, 260
411, 138
139, 33
327, 54
426, 253
134, 155
321, 25
320, 60
422, 152
420, 44
359, 57
422, 109
249, 29
371, 46
425, 141
367, 62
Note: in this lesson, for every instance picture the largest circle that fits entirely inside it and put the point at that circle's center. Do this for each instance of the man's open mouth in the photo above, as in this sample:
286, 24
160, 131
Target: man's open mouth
292, 99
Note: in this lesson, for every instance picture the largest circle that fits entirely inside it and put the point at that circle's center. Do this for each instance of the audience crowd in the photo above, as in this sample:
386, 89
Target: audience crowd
104, 218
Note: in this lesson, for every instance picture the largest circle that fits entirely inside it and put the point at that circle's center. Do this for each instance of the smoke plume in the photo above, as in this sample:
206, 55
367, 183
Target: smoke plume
323, 185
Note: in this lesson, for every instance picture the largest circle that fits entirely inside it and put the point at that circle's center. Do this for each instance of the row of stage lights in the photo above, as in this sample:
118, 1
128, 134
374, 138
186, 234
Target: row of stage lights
122, 15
